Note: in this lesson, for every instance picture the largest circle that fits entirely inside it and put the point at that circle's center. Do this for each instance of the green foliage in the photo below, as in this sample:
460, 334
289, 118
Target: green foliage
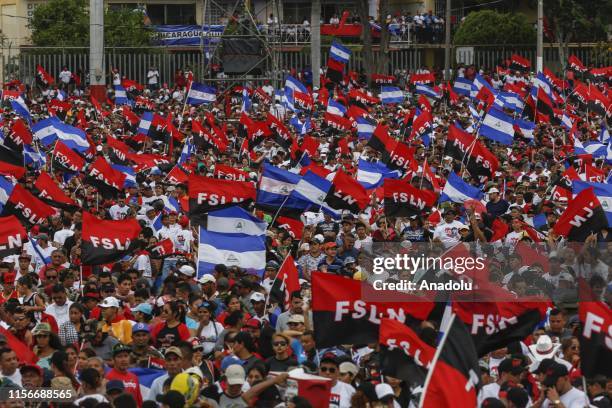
65, 23
489, 27
578, 20
125, 28
60, 23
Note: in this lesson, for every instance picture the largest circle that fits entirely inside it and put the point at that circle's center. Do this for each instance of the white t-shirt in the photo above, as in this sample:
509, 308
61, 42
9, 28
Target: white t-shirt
182, 240
153, 76
488, 391
117, 212
61, 235
143, 264
209, 337
513, 238
574, 398
97, 397
60, 313
65, 76
365, 244
448, 233
341, 395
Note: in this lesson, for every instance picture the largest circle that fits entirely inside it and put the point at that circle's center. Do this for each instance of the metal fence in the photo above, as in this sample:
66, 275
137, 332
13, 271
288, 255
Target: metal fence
134, 64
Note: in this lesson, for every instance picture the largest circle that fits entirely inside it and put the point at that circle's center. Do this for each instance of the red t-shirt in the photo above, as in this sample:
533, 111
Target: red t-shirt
130, 382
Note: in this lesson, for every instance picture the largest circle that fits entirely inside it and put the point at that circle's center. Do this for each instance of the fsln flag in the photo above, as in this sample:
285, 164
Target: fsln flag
107, 241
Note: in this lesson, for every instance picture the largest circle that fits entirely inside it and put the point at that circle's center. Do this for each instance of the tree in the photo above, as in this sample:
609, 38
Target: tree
126, 28
65, 23
488, 27
60, 23
380, 64
577, 21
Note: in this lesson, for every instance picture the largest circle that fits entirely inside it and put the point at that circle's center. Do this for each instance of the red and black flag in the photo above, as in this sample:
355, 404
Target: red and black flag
462, 146
338, 122
518, 63
403, 354
575, 64
157, 130
347, 194
108, 180
205, 139
382, 142
132, 85
29, 209
12, 236
230, 173
131, 119
291, 225
287, 282
177, 175
494, 325
562, 187
120, 151
455, 375
584, 216
50, 193
544, 107
580, 94
598, 102
147, 161
282, 135
303, 100
206, 194
11, 162
600, 74
595, 338
335, 71
107, 241
402, 158
18, 136
403, 200
421, 125
67, 158
342, 316
361, 98
59, 108
422, 78
163, 248
43, 77
380, 79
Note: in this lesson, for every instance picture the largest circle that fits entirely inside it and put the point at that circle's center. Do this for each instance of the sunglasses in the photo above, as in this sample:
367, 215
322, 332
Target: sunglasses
51, 277
279, 343
330, 370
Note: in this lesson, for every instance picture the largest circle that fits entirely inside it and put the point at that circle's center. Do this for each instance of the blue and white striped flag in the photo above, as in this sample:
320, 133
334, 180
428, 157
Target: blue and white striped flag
47, 131
422, 89
391, 94
275, 186
497, 126
372, 174
311, 190
241, 250
526, 127
121, 97
458, 191
339, 52
246, 101
34, 157
462, 86
365, 128
235, 220
6, 189
45, 259
201, 93
335, 108
20, 107
145, 123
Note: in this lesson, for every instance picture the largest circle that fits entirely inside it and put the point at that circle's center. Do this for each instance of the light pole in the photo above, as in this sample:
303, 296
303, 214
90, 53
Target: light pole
97, 76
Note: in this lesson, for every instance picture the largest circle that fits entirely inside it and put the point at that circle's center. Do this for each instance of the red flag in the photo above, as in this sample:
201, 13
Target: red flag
423, 103
106, 241
303, 100
584, 215
347, 193
338, 122
147, 161
452, 95
67, 157
130, 116
293, 226
49, 192
164, 247
575, 64
421, 125
500, 230
177, 176
422, 78
44, 76
12, 236
362, 97
383, 79
101, 171
121, 150
26, 207
130, 85
289, 278
20, 134
429, 176
229, 173
208, 193
24, 354
519, 63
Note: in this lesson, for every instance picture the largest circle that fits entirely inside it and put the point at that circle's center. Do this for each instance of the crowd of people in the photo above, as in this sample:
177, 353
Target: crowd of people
225, 339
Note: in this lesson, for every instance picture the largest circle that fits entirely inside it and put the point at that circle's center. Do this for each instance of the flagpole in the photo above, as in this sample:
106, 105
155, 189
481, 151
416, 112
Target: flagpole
272, 285
435, 359
185, 104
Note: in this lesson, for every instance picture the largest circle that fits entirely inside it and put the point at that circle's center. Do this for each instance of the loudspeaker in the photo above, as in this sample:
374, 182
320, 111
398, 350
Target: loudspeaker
242, 55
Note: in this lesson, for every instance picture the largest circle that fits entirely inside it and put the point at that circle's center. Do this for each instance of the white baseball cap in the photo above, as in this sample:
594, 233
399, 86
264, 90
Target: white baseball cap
110, 301
235, 374
206, 278
187, 270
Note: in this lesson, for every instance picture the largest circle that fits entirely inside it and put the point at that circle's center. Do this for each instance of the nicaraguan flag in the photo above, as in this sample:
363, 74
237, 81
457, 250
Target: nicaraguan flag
157, 223
540, 81
478, 83
566, 121
526, 127
38, 251
146, 376
300, 127
73, 137
275, 186
372, 174
130, 175
497, 126
391, 94
474, 112
201, 93
462, 86
509, 100
603, 191
171, 205
311, 191
6, 189
294, 85
145, 123
235, 220
538, 221
596, 149
339, 52
365, 128
241, 250
604, 134
335, 108
121, 96
188, 150
20, 108
458, 191
246, 101
422, 89
33, 157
